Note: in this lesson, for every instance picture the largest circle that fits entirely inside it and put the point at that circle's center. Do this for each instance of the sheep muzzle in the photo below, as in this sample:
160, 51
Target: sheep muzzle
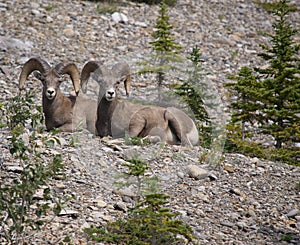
50, 93
110, 95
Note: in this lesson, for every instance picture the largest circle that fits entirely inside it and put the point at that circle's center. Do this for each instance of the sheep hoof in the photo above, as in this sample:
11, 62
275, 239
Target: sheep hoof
153, 139
185, 148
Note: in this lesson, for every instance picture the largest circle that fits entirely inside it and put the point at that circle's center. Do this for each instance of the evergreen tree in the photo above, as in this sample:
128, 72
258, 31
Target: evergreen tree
190, 90
280, 81
164, 40
271, 96
149, 221
245, 91
165, 48
193, 92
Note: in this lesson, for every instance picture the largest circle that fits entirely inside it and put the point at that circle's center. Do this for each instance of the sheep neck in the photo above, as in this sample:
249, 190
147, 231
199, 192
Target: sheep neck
55, 115
105, 112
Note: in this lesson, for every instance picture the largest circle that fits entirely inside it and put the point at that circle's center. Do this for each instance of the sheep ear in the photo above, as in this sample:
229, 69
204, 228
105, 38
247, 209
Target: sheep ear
127, 84
89, 67
39, 76
122, 70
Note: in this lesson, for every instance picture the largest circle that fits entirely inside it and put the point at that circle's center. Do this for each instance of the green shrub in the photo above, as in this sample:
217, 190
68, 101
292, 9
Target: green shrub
268, 98
271, 6
20, 211
148, 222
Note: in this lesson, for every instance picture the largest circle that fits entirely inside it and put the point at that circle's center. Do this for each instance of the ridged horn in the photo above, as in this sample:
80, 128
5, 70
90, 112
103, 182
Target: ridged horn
88, 68
33, 64
122, 70
72, 70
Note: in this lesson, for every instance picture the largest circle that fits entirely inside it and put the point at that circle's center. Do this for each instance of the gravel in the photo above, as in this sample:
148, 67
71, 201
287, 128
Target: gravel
241, 200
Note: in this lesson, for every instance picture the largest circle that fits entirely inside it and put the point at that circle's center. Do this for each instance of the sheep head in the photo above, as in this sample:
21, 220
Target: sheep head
108, 79
51, 78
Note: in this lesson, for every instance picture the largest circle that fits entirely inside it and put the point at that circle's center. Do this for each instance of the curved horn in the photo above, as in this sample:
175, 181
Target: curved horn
72, 70
33, 64
88, 68
122, 70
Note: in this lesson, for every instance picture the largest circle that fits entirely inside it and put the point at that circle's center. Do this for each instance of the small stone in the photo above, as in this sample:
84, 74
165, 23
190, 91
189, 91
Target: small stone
93, 208
197, 173
120, 206
293, 213
35, 12
234, 216
229, 169
119, 18
99, 216
241, 224
141, 24
69, 31
165, 177
212, 177
203, 197
85, 225
34, 5
167, 160
251, 213
180, 175
235, 191
126, 192
60, 186
15, 169
227, 223
68, 212
107, 149
100, 203
127, 199
106, 218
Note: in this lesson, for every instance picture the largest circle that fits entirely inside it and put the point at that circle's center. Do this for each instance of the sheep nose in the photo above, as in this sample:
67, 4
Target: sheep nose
110, 93
50, 93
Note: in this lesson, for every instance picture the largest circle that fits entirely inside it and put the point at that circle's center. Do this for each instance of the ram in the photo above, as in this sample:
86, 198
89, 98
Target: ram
115, 117
66, 113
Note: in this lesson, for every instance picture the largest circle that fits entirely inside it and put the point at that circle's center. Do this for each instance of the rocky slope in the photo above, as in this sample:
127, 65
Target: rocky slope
240, 201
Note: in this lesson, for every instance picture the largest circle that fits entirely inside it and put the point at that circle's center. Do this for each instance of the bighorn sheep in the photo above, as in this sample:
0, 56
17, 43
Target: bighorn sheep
65, 113
116, 117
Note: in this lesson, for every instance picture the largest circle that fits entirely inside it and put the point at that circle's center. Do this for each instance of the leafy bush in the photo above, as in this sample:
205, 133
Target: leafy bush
20, 210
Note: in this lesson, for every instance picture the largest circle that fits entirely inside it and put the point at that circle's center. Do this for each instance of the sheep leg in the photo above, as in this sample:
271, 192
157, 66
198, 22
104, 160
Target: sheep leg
136, 125
176, 129
67, 127
143, 125
157, 134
